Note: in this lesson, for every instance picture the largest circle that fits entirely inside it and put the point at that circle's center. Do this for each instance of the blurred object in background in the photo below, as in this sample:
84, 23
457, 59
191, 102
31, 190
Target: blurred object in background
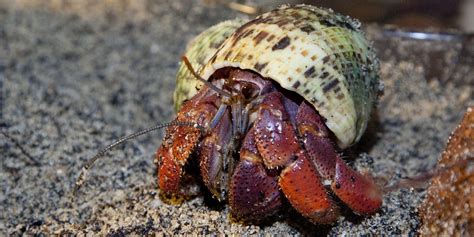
466, 16
414, 14
411, 14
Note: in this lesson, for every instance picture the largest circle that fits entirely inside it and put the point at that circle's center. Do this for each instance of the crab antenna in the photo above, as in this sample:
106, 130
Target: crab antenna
215, 88
421, 180
82, 176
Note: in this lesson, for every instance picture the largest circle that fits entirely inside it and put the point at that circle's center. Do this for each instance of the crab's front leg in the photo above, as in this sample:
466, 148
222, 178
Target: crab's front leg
215, 154
180, 141
359, 192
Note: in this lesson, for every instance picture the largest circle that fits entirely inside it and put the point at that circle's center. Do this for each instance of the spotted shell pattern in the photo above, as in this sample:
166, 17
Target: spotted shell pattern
319, 54
199, 51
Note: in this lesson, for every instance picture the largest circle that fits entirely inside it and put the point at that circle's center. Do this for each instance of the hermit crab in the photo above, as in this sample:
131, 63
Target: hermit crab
266, 114
276, 99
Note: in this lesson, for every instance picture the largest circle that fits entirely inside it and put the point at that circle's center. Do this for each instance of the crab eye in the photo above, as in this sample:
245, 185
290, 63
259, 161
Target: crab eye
247, 92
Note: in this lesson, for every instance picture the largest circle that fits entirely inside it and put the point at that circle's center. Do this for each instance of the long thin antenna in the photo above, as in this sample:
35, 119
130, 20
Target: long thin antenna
215, 88
82, 177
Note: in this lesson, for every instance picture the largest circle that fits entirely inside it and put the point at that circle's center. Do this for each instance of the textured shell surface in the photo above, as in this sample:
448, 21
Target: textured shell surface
199, 51
319, 54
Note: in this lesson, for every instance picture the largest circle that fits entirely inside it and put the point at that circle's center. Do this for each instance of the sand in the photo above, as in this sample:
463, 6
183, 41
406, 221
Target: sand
75, 76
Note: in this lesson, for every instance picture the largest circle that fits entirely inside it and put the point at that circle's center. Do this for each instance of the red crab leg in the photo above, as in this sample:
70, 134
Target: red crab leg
215, 156
254, 194
359, 192
277, 143
180, 142
316, 141
302, 186
275, 136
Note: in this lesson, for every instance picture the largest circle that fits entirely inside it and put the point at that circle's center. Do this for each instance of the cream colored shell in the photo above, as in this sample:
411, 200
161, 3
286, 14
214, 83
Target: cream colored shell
198, 52
321, 55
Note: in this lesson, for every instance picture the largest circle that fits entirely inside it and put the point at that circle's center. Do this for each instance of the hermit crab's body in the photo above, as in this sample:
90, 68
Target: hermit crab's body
292, 84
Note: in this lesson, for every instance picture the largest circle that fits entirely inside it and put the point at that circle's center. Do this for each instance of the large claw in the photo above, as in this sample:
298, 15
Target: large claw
173, 154
359, 192
180, 141
169, 171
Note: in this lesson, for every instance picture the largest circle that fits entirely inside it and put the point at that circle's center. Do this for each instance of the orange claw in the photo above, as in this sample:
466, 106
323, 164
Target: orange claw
169, 171
302, 186
180, 142
176, 148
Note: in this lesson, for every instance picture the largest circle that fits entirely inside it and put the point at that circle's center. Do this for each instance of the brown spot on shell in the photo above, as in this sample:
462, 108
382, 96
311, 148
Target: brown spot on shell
243, 29
282, 22
309, 72
227, 55
296, 14
239, 57
307, 28
213, 59
327, 22
260, 36
259, 66
326, 59
304, 53
331, 85
247, 33
283, 43
340, 96
296, 85
270, 38
314, 57
324, 75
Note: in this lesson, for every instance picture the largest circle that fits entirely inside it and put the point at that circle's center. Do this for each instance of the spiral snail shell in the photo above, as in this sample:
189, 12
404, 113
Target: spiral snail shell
319, 54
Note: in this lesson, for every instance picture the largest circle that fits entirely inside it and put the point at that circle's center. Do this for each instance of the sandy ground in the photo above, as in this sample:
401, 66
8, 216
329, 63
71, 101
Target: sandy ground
75, 76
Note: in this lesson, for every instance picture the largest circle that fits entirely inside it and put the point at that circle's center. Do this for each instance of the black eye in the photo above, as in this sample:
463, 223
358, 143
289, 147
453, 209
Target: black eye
247, 92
